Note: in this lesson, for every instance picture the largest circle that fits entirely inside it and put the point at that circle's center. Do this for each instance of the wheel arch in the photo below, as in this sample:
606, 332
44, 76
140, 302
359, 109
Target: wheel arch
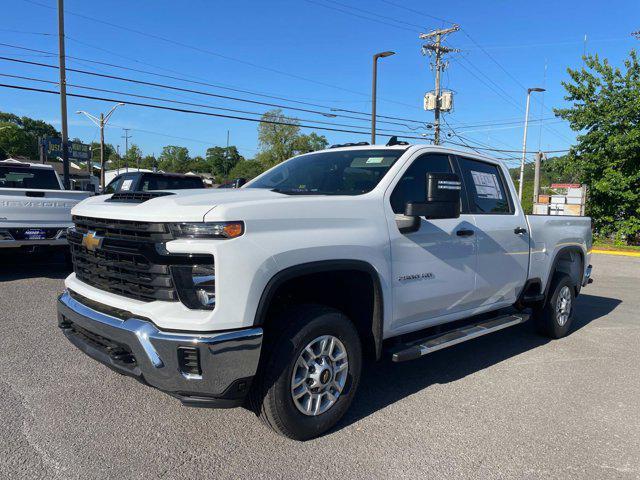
564, 261
372, 330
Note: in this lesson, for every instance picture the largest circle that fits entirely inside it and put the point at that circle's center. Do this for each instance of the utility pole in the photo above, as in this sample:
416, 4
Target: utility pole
438, 50
100, 123
536, 177
63, 96
126, 137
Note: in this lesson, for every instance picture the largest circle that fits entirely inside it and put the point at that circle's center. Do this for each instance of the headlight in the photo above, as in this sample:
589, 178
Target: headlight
207, 229
196, 285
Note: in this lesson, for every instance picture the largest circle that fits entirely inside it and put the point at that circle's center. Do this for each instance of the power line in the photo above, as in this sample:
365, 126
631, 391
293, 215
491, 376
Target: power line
184, 110
417, 12
326, 114
233, 117
210, 52
168, 100
368, 114
358, 15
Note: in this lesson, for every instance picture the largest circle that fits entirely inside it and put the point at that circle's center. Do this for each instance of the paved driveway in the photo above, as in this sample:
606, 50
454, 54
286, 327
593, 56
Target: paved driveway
509, 405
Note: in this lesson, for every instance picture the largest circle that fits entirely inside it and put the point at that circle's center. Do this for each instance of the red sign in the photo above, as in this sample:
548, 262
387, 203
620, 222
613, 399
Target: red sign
565, 185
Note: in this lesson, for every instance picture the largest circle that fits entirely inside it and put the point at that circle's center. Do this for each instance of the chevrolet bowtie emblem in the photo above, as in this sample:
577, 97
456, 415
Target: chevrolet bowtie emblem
91, 241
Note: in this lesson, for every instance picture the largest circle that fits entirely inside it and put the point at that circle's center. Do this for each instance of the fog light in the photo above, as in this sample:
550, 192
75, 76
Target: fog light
196, 285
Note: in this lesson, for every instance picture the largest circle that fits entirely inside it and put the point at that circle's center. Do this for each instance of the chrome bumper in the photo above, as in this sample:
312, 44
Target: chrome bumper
136, 347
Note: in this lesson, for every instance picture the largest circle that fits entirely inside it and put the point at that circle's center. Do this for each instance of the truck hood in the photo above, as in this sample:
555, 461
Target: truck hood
181, 206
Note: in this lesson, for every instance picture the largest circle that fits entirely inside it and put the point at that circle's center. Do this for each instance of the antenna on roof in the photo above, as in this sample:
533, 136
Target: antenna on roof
394, 141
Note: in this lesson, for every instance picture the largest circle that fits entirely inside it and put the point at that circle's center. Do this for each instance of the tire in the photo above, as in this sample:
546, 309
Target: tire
272, 390
552, 318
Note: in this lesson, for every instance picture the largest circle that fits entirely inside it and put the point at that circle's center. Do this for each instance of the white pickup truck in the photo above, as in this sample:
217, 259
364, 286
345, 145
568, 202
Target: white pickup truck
270, 295
35, 211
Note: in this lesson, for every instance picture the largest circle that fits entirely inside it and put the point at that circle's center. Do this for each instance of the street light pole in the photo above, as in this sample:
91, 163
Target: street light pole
374, 88
524, 139
100, 123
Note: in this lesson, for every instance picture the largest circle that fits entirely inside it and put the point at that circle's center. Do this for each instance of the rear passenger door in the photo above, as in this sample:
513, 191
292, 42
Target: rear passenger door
501, 233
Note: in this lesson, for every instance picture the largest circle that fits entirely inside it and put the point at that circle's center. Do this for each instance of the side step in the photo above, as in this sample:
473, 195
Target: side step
424, 346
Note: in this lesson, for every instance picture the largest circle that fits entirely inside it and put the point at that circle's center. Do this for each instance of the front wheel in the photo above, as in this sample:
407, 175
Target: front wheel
310, 373
553, 318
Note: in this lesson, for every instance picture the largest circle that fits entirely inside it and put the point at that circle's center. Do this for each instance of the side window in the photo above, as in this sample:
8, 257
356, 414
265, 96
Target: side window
113, 185
485, 186
412, 186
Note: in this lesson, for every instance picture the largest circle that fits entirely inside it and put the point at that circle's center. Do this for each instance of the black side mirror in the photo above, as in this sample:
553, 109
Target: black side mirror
443, 198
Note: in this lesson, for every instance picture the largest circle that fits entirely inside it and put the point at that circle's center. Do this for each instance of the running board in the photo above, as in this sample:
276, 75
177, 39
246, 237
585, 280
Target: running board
424, 346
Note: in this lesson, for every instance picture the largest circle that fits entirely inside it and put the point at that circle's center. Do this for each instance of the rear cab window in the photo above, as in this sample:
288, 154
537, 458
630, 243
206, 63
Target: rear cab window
486, 188
30, 178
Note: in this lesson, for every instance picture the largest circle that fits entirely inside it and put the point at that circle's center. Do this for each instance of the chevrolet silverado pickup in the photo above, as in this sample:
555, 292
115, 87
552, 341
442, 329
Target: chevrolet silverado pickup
35, 211
269, 296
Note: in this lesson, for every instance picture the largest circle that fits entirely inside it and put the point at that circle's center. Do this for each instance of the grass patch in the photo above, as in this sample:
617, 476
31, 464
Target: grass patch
612, 247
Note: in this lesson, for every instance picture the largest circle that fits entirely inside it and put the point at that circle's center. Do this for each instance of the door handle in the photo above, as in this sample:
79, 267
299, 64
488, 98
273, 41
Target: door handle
520, 231
464, 233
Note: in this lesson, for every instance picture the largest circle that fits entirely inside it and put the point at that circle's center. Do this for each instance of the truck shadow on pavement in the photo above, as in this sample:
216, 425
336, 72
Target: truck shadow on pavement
20, 265
386, 382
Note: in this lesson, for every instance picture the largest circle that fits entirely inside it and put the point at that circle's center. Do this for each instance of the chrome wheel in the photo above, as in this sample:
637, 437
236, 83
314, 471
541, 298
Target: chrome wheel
319, 375
563, 306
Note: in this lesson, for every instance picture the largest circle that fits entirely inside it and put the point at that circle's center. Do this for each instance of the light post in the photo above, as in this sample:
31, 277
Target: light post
100, 123
524, 140
373, 92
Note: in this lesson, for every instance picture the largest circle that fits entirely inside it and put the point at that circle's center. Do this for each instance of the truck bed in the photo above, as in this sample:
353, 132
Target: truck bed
551, 233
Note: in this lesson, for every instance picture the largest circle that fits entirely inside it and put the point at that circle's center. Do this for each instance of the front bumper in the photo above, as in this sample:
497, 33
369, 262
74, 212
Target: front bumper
136, 347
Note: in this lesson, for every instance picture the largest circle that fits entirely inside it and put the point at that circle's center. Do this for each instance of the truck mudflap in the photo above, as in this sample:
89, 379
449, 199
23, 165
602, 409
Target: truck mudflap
200, 369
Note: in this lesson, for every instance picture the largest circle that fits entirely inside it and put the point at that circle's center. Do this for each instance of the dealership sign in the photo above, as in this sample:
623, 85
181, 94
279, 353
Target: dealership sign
76, 150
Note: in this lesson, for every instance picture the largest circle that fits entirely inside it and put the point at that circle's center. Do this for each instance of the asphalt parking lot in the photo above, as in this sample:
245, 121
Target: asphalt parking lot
509, 405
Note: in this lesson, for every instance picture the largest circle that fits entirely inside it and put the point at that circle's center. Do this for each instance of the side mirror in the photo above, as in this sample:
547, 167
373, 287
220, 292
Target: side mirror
443, 198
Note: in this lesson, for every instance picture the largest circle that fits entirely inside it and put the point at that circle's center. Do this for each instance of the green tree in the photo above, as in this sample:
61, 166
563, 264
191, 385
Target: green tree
222, 160
109, 155
311, 143
37, 128
246, 169
174, 159
148, 162
606, 111
132, 157
16, 142
199, 164
279, 138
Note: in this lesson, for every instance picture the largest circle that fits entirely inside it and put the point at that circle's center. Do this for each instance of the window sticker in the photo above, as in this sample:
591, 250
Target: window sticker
486, 185
375, 159
126, 185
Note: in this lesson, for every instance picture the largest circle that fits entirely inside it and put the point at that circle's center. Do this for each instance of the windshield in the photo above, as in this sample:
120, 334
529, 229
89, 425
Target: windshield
18, 176
347, 172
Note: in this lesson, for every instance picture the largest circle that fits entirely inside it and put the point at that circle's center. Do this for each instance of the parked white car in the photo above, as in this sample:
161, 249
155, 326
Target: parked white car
271, 294
35, 210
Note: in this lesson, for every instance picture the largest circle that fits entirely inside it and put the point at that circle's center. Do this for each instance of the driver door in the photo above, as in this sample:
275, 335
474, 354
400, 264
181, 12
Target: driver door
433, 265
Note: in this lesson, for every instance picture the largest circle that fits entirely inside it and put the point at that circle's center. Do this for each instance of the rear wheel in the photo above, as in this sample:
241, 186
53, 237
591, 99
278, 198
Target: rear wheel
310, 372
553, 318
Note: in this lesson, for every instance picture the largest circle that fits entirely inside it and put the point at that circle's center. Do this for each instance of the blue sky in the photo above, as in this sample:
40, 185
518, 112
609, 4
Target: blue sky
315, 51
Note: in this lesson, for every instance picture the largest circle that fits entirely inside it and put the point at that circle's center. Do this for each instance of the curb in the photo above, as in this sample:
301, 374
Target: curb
617, 252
